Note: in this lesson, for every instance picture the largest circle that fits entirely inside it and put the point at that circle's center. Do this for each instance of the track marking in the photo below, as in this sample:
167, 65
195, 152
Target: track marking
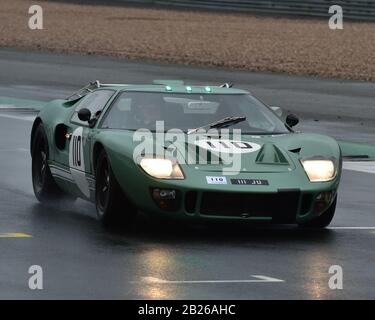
15, 150
7, 106
14, 235
351, 228
258, 279
23, 118
361, 166
22, 104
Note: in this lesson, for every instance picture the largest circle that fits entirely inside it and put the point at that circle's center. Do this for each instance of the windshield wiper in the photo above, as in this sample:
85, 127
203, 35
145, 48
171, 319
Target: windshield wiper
223, 123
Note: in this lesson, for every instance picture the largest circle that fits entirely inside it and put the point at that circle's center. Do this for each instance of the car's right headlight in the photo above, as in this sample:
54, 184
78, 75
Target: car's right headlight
161, 168
319, 170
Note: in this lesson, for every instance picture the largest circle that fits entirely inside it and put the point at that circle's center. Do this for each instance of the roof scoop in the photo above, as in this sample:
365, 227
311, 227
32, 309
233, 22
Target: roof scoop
270, 154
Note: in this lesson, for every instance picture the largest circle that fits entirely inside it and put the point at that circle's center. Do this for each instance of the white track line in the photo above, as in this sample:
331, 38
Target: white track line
361, 166
23, 118
259, 279
351, 228
7, 106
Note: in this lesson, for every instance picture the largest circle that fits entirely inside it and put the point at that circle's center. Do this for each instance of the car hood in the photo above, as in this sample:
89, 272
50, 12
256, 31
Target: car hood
266, 153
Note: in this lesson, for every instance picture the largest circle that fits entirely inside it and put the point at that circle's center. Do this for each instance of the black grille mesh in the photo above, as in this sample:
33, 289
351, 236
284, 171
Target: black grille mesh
281, 206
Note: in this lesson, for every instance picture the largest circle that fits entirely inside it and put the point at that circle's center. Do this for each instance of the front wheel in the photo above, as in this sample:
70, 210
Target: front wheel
112, 206
323, 220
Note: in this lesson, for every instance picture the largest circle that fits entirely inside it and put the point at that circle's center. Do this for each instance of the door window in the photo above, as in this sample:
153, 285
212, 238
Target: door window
95, 102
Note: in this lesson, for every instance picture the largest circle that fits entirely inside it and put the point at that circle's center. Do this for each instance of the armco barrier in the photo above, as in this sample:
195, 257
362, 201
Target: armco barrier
353, 9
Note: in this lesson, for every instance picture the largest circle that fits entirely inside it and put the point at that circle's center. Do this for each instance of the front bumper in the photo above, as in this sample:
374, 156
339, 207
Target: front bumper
284, 205
287, 197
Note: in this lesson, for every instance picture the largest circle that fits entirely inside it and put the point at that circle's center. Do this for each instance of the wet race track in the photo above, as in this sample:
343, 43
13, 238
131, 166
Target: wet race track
80, 259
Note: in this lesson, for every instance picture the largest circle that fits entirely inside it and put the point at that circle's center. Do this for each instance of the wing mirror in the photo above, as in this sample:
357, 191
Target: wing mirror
84, 114
292, 120
277, 110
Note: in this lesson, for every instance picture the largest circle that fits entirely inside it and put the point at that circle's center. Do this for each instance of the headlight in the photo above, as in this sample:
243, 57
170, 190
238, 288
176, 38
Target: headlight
161, 168
319, 170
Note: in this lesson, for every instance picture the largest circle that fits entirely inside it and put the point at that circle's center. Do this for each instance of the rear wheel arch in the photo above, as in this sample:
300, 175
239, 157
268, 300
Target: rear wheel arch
44, 185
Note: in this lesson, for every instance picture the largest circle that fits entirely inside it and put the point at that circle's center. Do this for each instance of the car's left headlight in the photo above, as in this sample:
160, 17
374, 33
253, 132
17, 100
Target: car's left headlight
161, 168
320, 170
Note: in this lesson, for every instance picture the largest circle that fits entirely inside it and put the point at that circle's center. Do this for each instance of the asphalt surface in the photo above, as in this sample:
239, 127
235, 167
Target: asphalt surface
80, 259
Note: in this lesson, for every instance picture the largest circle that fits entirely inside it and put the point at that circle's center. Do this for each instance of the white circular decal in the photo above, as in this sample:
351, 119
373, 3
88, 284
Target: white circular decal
228, 146
77, 161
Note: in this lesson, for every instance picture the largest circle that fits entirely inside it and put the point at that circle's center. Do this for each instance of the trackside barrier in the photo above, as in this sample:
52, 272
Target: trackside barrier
353, 9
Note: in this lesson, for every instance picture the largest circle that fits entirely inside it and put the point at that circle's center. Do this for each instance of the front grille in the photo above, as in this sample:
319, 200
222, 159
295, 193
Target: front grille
307, 200
282, 206
190, 201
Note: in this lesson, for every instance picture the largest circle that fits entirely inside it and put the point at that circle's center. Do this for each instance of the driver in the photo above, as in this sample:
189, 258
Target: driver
147, 114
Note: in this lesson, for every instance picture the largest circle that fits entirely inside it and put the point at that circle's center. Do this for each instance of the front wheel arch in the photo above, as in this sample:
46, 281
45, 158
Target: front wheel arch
323, 220
98, 147
113, 206
96, 151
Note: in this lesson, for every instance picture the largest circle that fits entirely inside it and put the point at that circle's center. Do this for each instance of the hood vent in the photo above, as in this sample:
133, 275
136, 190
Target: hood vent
270, 154
296, 150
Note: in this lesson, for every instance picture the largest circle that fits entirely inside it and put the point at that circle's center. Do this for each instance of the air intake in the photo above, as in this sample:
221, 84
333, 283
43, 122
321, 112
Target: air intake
270, 154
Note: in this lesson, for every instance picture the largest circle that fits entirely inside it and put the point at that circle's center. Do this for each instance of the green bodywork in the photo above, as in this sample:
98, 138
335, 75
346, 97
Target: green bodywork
283, 172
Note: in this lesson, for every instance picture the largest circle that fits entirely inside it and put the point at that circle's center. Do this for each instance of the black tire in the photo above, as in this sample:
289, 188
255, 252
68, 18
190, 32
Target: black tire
323, 220
112, 206
45, 187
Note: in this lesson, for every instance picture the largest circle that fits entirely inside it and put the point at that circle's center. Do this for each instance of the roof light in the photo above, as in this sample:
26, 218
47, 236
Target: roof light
168, 88
208, 89
189, 89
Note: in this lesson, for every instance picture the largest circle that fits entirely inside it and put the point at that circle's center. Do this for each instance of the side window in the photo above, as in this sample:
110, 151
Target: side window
94, 101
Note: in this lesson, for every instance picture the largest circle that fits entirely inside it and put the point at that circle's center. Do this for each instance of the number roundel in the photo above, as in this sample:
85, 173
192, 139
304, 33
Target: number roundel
76, 159
77, 162
228, 146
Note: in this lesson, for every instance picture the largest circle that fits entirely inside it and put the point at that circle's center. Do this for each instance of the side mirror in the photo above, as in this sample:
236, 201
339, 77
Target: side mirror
292, 120
84, 114
277, 110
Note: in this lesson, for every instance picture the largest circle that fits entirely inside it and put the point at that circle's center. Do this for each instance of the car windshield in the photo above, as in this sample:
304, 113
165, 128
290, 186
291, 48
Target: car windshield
186, 111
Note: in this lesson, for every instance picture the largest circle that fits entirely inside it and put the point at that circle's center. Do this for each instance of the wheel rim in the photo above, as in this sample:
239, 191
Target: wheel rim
103, 186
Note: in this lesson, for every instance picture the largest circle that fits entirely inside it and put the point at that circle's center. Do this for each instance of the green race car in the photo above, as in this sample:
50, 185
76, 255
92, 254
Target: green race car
170, 149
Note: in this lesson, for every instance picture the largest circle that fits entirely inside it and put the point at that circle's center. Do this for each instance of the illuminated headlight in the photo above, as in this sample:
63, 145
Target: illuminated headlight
319, 170
161, 168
